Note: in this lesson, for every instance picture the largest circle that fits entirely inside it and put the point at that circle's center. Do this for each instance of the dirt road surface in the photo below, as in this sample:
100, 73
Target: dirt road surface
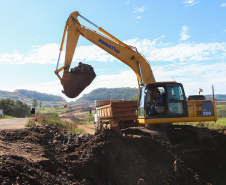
13, 123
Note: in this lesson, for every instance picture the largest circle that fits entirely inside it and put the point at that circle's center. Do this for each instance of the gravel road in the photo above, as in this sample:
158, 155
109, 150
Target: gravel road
13, 123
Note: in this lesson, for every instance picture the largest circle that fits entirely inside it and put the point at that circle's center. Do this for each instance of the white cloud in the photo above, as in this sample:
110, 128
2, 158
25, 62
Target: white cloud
38, 54
139, 10
155, 51
90, 53
127, 2
138, 17
186, 52
190, 2
196, 65
192, 76
223, 5
184, 33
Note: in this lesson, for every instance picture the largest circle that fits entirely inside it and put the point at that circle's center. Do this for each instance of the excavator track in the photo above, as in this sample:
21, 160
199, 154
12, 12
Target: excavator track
188, 137
142, 131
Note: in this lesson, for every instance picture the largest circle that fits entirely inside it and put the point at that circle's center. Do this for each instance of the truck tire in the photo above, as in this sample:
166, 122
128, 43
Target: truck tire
98, 127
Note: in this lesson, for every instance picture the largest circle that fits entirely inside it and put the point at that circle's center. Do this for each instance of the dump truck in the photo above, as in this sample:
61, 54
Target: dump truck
115, 114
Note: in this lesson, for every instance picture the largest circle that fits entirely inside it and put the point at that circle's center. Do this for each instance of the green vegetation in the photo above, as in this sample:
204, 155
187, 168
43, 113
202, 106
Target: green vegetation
38, 96
89, 117
55, 120
111, 93
30, 123
220, 123
84, 118
14, 108
6, 117
121, 93
34, 103
48, 110
29, 95
134, 98
218, 97
221, 111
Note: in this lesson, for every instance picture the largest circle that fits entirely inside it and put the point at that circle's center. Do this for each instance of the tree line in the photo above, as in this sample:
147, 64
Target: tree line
39, 96
110, 93
14, 108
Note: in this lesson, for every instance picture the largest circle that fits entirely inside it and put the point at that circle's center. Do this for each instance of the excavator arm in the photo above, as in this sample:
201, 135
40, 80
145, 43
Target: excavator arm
127, 54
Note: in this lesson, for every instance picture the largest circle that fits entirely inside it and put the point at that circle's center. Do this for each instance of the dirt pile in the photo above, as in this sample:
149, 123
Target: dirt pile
78, 79
44, 155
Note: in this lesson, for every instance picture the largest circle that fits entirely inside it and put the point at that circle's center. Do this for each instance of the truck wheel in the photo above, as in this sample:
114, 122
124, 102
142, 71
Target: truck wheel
98, 127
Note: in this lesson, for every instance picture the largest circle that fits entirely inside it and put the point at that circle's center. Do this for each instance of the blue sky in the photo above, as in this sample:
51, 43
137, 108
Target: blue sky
183, 40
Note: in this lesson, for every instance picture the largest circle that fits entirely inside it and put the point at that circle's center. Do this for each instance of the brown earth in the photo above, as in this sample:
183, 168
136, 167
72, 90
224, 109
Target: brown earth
78, 79
44, 155
13, 123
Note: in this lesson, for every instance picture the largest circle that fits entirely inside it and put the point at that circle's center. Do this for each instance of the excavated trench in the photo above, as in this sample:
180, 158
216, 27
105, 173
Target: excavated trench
45, 155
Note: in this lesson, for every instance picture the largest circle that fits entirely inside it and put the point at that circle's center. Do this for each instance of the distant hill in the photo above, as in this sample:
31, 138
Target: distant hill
121, 93
27, 94
218, 97
108, 93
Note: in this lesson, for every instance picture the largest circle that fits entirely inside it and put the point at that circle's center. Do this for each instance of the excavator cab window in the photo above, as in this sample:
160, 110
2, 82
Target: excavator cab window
162, 100
142, 101
177, 105
155, 101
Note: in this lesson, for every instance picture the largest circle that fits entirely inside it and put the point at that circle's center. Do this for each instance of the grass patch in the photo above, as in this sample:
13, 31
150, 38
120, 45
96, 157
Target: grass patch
220, 124
72, 129
220, 106
55, 120
85, 118
30, 123
6, 117
51, 110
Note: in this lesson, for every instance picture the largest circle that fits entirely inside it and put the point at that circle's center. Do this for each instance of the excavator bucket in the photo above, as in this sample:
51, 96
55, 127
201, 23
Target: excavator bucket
75, 81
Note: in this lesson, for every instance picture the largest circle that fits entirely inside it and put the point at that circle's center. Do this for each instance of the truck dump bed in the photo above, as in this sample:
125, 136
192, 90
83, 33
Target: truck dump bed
116, 109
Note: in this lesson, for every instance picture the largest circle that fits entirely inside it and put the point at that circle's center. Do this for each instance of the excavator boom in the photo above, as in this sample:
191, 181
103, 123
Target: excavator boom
75, 83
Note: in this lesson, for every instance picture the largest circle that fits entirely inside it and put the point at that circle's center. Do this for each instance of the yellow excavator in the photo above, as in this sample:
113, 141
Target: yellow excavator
173, 106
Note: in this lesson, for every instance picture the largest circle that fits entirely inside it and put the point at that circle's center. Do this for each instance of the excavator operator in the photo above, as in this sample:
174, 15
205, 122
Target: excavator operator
157, 105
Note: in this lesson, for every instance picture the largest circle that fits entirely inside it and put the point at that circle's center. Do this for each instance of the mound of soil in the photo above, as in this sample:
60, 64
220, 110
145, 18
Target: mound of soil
44, 155
83, 69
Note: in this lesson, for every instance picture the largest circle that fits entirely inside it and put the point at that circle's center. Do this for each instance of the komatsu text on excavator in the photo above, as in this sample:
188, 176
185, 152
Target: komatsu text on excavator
159, 102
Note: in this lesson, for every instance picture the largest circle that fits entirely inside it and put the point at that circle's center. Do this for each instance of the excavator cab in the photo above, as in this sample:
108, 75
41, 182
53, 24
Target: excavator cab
162, 100
173, 106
